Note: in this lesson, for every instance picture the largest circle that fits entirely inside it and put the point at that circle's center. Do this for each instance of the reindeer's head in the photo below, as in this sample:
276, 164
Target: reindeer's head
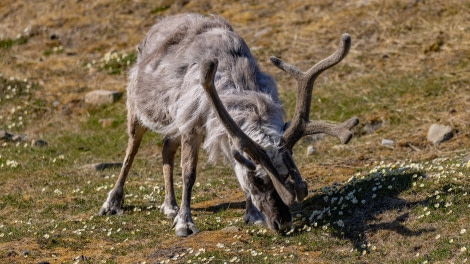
266, 171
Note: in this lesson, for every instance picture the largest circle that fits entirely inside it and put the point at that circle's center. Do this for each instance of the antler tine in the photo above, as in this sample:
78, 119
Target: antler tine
240, 139
305, 80
289, 68
342, 131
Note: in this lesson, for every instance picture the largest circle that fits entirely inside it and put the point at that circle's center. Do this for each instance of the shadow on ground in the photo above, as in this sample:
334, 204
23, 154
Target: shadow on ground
368, 206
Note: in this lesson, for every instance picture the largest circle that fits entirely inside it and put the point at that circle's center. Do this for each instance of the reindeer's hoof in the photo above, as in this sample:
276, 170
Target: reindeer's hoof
184, 226
110, 211
186, 230
169, 210
112, 205
254, 217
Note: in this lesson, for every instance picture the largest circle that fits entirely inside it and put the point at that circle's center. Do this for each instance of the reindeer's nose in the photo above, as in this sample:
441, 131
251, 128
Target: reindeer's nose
279, 226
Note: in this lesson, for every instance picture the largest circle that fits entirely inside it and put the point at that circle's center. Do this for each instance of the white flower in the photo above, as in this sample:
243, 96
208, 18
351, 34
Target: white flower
463, 231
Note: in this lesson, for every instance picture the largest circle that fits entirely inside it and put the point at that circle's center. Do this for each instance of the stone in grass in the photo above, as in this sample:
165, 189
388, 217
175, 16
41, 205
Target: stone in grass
102, 97
310, 150
5, 135
18, 138
38, 143
230, 229
439, 133
387, 142
102, 166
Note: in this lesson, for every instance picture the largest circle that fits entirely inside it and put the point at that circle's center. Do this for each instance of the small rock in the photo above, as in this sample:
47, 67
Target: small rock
371, 127
263, 32
466, 158
230, 229
101, 97
340, 147
387, 142
439, 133
106, 122
102, 166
55, 104
80, 258
18, 138
310, 150
5, 135
38, 143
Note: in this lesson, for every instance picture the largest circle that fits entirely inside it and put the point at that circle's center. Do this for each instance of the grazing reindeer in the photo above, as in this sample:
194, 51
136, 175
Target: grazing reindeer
196, 82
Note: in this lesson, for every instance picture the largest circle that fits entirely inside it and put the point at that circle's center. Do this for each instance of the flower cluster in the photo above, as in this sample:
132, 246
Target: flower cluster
10, 164
12, 89
113, 62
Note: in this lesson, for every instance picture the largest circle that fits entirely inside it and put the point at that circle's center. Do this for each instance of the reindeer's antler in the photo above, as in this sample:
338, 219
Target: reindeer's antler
240, 139
301, 125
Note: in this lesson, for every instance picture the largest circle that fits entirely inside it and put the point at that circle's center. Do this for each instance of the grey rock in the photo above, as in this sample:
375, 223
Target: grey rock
230, 229
18, 138
55, 104
311, 150
340, 147
439, 133
388, 142
101, 97
5, 135
371, 127
466, 158
102, 166
263, 32
38, 143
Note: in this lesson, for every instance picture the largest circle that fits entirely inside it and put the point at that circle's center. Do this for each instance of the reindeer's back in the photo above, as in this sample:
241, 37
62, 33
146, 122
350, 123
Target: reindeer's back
164, 88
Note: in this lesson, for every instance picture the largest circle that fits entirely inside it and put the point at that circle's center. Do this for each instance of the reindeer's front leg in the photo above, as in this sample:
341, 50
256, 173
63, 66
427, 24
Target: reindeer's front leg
113, 204
252, 214
190, 143
170, 145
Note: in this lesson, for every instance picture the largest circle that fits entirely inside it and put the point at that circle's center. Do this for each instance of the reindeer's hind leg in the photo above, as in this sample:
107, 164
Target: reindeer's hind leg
113, 204
170, 145
190, 144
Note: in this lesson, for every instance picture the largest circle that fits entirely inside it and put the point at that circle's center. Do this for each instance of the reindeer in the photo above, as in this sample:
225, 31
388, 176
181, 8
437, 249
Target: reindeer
196, 82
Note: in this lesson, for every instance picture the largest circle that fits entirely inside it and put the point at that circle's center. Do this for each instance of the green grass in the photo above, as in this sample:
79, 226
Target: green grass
374, 94
113, 63
8, 43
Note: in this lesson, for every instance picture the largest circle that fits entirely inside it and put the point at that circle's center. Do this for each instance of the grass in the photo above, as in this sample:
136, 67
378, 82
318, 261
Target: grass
8, 43
114, 63
408, 203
